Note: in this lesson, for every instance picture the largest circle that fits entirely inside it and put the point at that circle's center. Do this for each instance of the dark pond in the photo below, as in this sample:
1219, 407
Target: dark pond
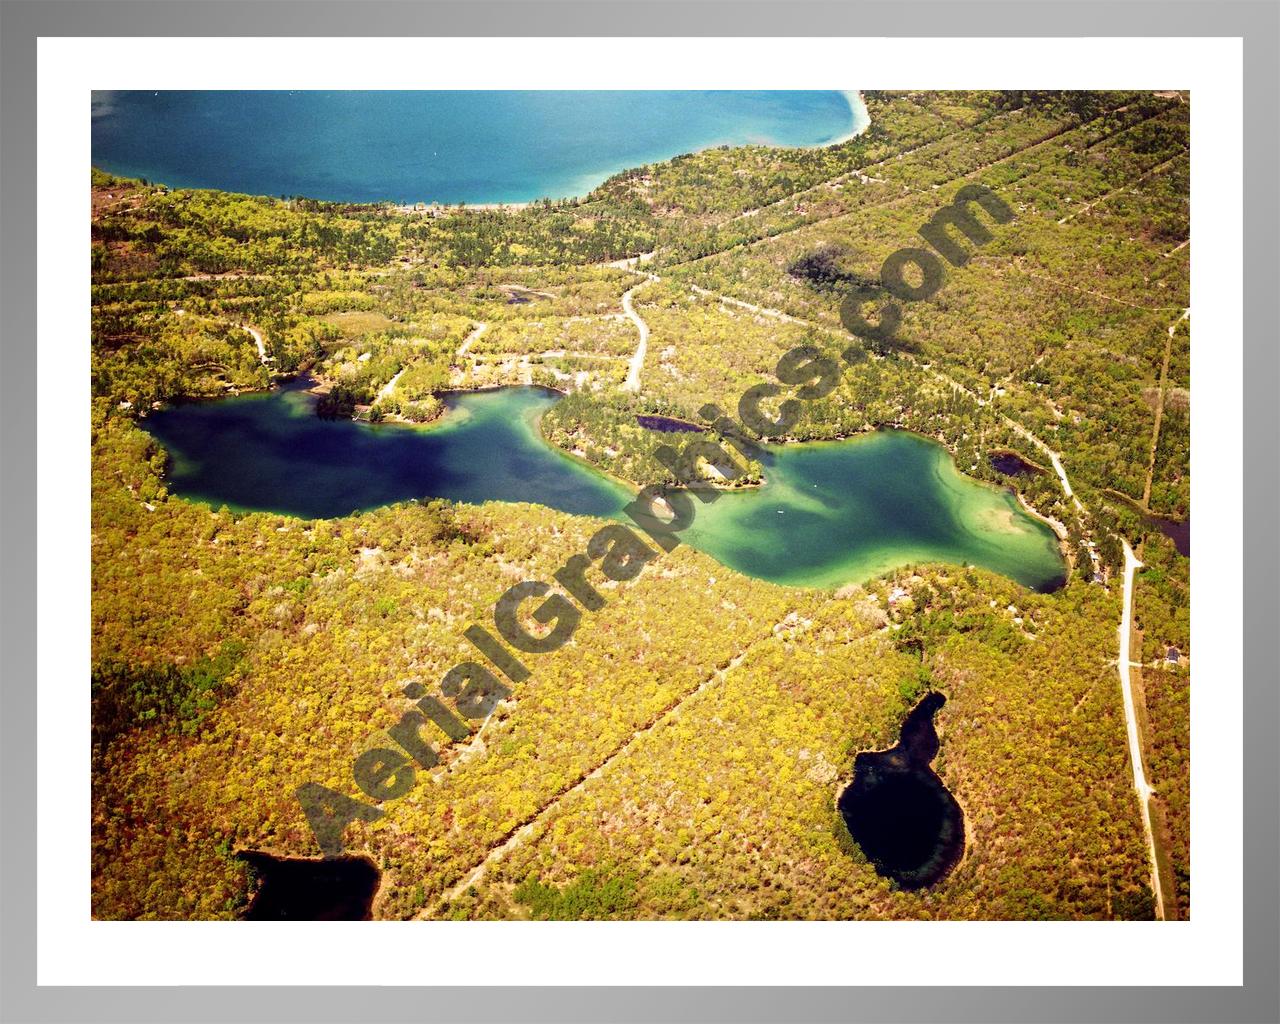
1177, 530
897, 809
667, 425
295, 889
1011, 464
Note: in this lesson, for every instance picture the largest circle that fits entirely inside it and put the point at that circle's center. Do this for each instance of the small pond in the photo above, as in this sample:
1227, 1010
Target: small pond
1011, 464
898, 811
667, 425
1177, 530
299, 889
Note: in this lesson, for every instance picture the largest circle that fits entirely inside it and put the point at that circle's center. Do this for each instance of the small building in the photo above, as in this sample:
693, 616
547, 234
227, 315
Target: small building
1172, 656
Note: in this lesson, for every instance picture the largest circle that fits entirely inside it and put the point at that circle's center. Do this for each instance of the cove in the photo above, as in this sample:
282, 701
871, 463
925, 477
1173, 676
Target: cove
830, 513
483, 146
897, 809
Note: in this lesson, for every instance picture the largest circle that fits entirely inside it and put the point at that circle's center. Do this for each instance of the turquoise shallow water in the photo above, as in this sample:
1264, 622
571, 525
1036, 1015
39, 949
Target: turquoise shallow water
449, 147
830, 513
837, 511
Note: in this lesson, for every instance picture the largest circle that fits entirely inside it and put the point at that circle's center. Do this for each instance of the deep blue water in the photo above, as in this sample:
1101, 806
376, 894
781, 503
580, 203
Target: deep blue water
449, 147
269, 450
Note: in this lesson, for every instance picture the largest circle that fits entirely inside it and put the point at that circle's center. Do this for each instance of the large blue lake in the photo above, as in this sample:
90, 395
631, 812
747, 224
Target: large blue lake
448, 147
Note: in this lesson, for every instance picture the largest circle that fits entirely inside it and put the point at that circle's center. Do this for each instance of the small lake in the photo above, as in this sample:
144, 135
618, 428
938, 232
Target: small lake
269, 451
830, 513
1011, 464
907, 822
838, 511
472, 146
298, 889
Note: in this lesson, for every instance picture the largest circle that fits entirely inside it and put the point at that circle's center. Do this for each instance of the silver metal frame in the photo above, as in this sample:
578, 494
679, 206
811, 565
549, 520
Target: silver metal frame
1258, 23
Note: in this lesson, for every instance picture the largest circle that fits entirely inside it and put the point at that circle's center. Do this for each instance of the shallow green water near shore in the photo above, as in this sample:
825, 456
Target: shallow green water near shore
830, 513
838, 511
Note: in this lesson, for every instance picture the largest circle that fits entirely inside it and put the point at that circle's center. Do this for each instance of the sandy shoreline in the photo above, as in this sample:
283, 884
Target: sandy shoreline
441, 209
858, 109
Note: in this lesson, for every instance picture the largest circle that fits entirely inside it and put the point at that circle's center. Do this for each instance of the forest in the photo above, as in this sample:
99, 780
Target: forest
680, 757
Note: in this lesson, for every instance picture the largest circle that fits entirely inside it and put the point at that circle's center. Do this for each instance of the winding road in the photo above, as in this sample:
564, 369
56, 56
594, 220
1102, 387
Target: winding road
471, 339
463, 349
636, 363
389, 386
1131, 566
257, 340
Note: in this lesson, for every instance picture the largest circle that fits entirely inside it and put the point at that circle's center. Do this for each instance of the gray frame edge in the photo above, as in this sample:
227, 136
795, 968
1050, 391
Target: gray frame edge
22, 22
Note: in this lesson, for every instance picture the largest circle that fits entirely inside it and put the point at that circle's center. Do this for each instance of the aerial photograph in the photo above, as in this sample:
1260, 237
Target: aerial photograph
640, 505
